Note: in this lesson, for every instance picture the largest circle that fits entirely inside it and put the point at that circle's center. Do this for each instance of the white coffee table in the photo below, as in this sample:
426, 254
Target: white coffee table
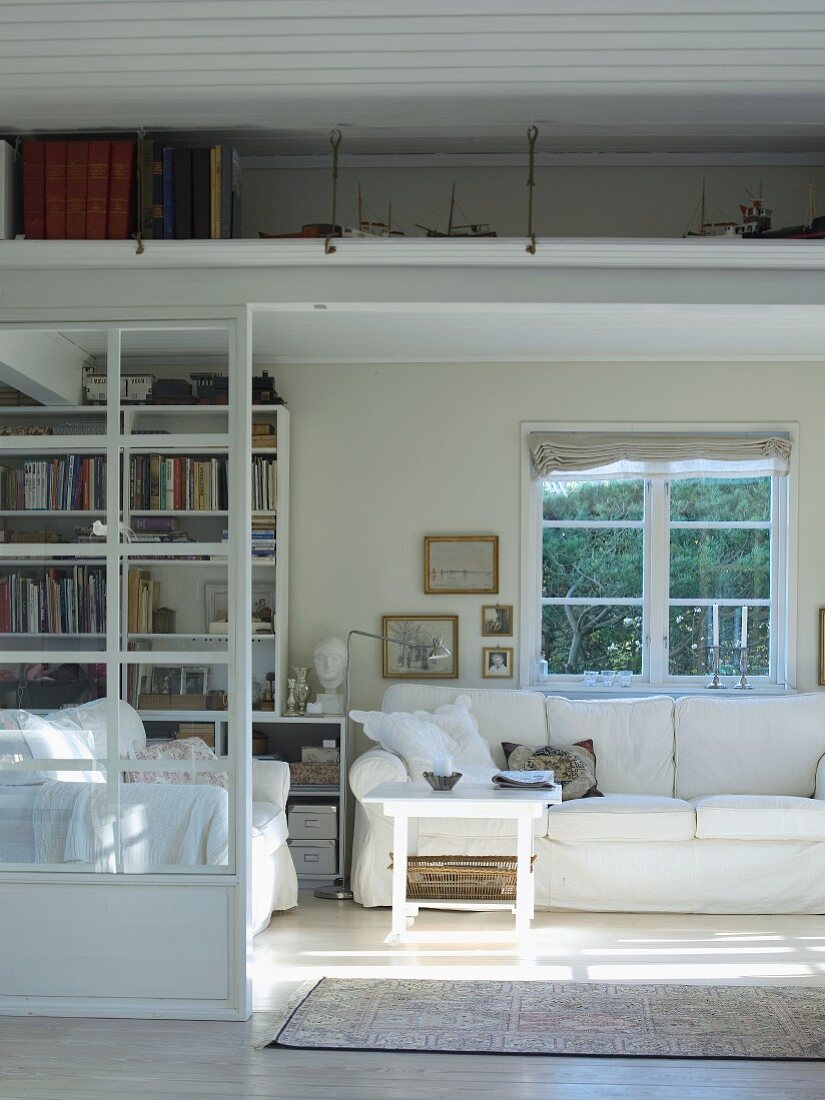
407, 803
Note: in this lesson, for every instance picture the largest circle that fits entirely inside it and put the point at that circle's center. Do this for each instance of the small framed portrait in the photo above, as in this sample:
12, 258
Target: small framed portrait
194, 679
497, 663
412, 651
822, 647
165, 680
497, 620
461, 564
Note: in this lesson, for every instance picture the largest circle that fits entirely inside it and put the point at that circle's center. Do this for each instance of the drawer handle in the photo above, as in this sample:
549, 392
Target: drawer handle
311, 859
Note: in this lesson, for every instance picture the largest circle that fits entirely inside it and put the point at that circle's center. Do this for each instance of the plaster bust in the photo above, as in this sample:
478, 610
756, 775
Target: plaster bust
330, 660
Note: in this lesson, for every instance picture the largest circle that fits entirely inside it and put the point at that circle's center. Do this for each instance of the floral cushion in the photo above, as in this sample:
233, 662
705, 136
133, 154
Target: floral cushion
190, 749
574, 768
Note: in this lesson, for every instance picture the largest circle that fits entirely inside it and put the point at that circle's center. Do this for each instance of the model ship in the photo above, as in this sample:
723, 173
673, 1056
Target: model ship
365, 227
755, 222
471, 229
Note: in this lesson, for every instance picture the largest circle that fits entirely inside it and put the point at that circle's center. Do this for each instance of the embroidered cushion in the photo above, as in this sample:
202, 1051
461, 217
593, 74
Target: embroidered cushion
190, 749
573, 767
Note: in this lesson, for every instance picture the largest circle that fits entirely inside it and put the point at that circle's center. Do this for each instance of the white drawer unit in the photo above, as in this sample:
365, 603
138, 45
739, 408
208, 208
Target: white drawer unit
313, 822
311, 859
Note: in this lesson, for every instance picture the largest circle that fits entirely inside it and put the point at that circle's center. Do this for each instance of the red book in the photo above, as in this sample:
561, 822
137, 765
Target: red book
34, 190
77, 159
121, 191
97, 190
55, 190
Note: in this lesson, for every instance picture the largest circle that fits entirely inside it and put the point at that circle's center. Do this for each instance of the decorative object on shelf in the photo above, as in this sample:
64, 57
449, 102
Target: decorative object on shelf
420, 646
204, 730
301, 690
532, 138
135, 389
468, 229
210, 388
330, 659
194, 679
217, 700
163, 620
217, 608
339, 890
319, 754
742, 683
460, 564
164, 680
497, 663
442, 782
264, 392
268, 696
497, 620
542, 668
315, 775
151, 701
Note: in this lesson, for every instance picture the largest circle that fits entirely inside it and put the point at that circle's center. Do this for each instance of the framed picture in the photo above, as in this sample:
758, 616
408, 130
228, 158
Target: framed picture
164, 680
461, 563
194, 679
497, 620
408, 655
497, 663
822, 647
263, 607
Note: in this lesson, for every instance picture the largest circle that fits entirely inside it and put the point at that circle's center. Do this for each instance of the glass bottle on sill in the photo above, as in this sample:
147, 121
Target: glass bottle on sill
542, 669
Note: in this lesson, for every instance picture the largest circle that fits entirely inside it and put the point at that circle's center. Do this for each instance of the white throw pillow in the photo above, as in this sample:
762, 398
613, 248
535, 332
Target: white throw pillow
418, 738
32, 738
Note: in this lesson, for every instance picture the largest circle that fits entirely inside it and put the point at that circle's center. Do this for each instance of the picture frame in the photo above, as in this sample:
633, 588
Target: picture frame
821, 680
176, 680
410, 661
165, 679
461, 564
497, 663
216, 597
195, 680
497, 620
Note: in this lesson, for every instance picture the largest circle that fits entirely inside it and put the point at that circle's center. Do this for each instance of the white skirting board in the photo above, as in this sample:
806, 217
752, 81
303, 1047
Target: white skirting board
143, 951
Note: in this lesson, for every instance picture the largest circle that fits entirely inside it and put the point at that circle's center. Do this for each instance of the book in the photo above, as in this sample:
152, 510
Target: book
235, 200
146, 162
77, 167
121, 190
97, 190
215, 165
182, 193
157, 190
201, 194
55, 186
9, 191
34, 190
168, 159
225, 212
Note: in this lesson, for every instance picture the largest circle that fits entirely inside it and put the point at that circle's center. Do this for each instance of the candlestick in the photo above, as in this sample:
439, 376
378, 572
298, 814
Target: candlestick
715, 681
716, 626
743, 640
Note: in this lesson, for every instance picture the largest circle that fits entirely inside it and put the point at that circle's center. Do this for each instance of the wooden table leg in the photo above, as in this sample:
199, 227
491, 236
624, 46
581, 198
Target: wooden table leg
524, 876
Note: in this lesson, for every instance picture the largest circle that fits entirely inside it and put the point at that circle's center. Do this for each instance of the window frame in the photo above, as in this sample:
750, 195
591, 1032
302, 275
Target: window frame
656, 601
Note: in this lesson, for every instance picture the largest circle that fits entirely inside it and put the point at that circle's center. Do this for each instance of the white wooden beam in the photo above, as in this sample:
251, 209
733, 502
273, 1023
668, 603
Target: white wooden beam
43, 365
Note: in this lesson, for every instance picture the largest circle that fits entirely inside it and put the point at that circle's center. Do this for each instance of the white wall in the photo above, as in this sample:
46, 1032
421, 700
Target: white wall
383, 455
570, 201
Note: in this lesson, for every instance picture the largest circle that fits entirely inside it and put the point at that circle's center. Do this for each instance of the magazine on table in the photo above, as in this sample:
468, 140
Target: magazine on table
525, 780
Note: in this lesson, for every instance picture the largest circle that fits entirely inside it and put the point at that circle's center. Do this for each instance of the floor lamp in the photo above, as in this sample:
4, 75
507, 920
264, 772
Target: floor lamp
436, 651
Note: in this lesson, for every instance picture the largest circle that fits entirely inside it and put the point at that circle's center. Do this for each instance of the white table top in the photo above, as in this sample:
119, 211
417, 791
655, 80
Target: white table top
462, 800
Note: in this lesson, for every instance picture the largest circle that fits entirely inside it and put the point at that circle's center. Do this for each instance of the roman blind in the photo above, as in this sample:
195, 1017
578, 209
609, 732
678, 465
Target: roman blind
603, 455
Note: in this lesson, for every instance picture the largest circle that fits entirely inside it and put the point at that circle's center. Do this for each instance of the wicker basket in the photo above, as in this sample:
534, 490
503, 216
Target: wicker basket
172, 702
462, 878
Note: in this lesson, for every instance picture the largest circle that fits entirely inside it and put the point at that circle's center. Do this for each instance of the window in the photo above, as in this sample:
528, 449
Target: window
628, 569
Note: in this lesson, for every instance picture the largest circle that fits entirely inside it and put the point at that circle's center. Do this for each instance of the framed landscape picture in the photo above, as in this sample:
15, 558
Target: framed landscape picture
455, 564
408, 655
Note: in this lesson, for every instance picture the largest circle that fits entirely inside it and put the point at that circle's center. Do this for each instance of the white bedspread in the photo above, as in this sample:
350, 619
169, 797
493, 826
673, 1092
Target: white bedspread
160, 825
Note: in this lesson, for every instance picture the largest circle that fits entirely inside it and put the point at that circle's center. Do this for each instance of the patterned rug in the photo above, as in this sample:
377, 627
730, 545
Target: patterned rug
633, 1021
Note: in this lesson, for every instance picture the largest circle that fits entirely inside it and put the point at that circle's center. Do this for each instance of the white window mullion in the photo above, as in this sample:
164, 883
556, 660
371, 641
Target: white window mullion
659, 556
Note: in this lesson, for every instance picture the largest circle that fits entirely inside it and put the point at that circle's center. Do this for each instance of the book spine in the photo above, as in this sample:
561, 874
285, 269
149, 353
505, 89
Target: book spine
56, 190
201, 194
225, 231
77, 166
34, 190
168, 193
157, 191
183, 194
97, 190
146, 221
121, 191
215, 191
236, 193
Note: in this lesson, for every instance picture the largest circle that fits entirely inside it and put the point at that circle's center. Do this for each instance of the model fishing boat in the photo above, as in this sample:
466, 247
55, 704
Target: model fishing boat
755, 223
366, 227
470, 229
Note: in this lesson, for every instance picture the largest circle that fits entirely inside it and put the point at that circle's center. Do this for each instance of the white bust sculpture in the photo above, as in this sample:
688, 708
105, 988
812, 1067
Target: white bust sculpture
330, 660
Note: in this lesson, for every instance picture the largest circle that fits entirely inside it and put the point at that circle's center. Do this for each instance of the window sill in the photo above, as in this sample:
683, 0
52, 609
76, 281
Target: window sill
641, 690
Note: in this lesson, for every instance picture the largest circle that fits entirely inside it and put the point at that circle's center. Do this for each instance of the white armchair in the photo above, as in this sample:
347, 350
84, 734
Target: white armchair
372, 841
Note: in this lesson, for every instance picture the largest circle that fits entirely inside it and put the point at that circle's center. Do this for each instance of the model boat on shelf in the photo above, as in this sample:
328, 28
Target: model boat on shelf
756, 222
469, 229
365, 227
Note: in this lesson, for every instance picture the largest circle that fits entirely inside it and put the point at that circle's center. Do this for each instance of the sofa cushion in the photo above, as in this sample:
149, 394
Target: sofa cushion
632, 740
759, 817
650, 818
502, 715
748, 746
574, 768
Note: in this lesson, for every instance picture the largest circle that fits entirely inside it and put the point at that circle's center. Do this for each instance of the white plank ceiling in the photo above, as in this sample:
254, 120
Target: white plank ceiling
426, 75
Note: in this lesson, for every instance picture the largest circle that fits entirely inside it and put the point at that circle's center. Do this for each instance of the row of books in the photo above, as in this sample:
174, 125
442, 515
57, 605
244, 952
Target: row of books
60, 601
72, 482
163, 484
264, 483
79, 190
143, 599
189, 193
263, 536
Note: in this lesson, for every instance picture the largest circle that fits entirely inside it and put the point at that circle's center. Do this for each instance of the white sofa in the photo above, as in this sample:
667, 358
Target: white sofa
712, 804
195, 818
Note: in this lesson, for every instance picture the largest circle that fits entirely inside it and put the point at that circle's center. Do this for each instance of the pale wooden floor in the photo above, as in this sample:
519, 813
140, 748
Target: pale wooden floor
53, 1059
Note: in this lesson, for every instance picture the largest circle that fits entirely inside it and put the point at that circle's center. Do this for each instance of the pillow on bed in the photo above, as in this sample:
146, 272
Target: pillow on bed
26, 736
419, 737
190, 749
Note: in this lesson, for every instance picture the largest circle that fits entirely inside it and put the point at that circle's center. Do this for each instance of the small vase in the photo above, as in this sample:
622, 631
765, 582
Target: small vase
301, 675
301, 697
